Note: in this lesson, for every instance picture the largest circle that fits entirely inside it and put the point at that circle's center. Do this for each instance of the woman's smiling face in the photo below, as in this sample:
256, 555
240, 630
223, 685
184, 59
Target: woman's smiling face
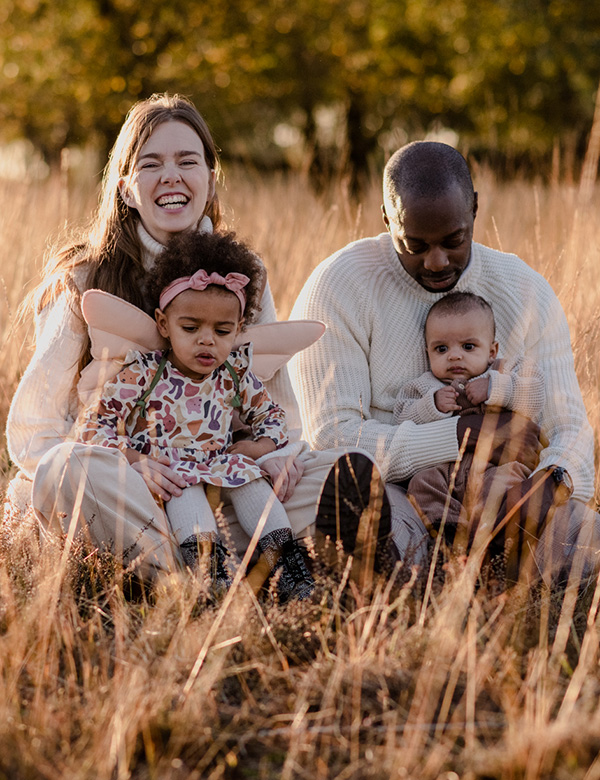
170, 182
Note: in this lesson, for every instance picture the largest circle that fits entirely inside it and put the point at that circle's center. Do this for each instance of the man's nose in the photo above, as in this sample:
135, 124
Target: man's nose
436, 259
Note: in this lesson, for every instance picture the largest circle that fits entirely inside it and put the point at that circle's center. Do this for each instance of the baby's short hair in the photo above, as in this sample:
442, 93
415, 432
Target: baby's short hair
461, 303
188, 252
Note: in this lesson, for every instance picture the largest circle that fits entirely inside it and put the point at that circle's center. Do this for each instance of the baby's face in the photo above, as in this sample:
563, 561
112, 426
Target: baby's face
460, 346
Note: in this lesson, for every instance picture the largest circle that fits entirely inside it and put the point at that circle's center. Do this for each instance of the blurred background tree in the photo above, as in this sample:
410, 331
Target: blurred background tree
326, 84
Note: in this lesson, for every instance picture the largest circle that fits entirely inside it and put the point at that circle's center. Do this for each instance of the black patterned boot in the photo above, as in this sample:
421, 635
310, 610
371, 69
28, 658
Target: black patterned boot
286, 561
195, 547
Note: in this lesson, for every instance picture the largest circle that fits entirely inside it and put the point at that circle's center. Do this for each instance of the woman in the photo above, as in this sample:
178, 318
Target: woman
159, 181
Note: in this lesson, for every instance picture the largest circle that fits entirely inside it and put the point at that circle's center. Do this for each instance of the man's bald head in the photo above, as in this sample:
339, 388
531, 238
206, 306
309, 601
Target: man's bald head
423, 170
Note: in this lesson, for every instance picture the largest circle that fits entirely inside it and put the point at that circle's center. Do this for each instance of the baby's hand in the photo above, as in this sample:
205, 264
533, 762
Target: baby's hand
445, 399
252, 449
478, 390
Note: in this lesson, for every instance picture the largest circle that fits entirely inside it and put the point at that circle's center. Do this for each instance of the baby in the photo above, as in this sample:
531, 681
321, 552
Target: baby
465, 377
175, 406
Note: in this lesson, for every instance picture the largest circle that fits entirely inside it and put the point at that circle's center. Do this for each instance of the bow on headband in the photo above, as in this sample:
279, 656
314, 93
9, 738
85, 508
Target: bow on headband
200, 281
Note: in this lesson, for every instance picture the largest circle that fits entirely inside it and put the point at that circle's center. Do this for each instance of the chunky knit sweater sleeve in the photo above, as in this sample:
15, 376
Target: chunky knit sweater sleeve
531, 325
43, 408
339, 393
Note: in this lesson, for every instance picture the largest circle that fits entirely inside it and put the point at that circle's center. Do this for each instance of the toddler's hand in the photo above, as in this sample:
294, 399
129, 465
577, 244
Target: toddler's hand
478, 390
252, 449
445, 399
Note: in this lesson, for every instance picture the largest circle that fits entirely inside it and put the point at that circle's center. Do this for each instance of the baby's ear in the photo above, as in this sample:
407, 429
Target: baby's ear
494, 350
241, 325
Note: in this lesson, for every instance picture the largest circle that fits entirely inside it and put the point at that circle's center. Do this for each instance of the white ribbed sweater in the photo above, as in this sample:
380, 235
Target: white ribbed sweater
44, 406
348, 382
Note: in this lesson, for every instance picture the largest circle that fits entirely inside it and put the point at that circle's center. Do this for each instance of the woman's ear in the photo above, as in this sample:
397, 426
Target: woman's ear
125, 193
161, 323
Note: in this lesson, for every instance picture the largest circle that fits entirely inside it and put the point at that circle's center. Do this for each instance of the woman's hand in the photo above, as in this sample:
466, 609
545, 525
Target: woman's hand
285, 474
158, 475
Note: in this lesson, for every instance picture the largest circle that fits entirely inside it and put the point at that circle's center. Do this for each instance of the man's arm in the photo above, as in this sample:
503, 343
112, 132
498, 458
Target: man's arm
563, 418
333, 383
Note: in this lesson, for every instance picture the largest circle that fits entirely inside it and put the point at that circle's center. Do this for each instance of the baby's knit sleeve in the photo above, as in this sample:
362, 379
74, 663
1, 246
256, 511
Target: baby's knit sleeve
416, 401
520, 390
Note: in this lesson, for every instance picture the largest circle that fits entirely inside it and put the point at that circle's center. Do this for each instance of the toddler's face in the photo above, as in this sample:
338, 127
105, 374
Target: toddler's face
201, 326
460, 346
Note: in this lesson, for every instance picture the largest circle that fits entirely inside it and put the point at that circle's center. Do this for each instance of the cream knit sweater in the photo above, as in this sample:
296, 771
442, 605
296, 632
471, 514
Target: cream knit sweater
44, 406
348, 382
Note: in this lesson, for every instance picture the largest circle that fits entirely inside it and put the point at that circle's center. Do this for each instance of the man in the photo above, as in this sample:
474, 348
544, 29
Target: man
374, 296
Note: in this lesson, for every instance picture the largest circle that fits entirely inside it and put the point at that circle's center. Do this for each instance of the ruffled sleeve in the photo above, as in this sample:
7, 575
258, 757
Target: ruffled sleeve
265, 418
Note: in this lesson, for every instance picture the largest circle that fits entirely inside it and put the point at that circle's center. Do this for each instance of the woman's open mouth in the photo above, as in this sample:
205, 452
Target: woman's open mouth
172, 202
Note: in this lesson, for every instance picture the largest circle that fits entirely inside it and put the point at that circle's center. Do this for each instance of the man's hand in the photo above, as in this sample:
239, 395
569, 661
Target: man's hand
445, 399
285, 474
523, 515
158, 475
509, 435
478, 390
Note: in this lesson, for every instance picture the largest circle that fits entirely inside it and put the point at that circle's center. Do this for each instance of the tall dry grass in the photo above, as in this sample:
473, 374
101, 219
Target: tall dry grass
101, 679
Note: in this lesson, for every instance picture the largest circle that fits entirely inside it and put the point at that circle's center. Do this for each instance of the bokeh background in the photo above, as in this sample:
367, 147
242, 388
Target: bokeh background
327, 85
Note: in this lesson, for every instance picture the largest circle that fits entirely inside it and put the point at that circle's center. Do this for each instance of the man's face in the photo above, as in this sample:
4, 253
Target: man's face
432, 237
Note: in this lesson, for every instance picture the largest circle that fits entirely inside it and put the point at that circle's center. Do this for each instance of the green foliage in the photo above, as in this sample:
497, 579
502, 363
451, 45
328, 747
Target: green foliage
505, 75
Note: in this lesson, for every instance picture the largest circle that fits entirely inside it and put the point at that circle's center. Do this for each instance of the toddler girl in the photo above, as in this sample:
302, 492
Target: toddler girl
175, 406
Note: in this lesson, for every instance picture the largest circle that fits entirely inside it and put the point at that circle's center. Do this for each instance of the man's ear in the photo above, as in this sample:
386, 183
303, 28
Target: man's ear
125, 193
386, 219
161, 323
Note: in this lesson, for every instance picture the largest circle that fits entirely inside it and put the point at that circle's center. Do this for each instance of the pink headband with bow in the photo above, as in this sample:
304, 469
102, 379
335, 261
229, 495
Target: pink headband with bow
200, 281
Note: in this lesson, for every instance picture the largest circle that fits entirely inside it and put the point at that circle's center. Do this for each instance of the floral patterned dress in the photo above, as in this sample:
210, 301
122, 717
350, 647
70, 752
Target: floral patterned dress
188, 420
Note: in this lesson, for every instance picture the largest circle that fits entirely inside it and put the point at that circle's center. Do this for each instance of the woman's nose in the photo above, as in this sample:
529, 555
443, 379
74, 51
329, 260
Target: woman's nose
171, 173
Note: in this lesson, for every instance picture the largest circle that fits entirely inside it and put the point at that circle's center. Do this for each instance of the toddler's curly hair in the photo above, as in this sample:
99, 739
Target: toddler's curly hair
188, 252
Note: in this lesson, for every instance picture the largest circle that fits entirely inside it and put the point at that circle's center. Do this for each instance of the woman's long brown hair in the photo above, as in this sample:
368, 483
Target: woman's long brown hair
110, 250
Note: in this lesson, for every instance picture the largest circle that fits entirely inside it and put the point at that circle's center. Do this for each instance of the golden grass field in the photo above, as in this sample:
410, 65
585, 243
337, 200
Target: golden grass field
98, 683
